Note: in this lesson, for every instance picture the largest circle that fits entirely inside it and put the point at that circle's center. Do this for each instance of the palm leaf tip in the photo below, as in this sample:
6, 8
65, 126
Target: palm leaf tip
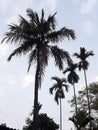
42, 14
10, 57
51, 90
64, 71
91, 53
56, 99
70, 33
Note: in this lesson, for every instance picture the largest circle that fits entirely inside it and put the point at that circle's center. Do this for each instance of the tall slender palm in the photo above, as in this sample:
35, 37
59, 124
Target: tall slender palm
59, 94
83, 64
72, 79
33, 37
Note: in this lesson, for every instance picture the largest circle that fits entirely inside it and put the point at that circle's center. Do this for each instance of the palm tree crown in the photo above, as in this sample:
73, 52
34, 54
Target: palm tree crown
33, 37
72, 76
59, 88
83, 55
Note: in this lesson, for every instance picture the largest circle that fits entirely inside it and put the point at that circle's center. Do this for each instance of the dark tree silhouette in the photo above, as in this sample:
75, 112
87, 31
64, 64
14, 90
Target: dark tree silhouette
80, 120
59, 87
44, 123
83, 105
83, 64
33, 37
72, 79
5, 127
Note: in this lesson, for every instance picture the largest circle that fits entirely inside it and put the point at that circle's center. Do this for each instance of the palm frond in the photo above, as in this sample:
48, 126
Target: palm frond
22, 49
56, 78
32, 58
14, 34
42, 16
90, 53
66, 70
69, 33
66, 87
77, 55
18, 51
56, 98
51, 22
31, 15
59, 56
74, 121
51, 90
24, 24
58, 36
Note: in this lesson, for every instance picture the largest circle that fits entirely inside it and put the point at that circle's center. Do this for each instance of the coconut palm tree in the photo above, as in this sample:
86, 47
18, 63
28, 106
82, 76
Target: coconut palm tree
38, 38
72, 79
58, 87
83, 64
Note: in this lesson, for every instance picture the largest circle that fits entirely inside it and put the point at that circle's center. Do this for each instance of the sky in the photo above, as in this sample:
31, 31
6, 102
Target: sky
17, 86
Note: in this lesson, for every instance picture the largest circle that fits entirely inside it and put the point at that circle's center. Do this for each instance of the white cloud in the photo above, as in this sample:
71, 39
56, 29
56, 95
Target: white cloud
27, 80
88, 27
87, 6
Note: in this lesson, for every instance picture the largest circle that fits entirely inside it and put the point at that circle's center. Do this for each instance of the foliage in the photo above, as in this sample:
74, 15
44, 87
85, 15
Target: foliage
82, 102
81, 119
44, 123
72, 76
83, 55
60, 86
4, 127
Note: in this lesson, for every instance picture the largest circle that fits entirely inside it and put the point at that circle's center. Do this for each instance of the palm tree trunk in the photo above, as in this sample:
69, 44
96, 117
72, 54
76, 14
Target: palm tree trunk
60, 115
35, 116
75, 97
89, 112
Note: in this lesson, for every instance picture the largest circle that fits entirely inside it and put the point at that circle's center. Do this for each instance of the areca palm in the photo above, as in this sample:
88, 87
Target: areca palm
59, 94
83, 64
72, 79
33, 37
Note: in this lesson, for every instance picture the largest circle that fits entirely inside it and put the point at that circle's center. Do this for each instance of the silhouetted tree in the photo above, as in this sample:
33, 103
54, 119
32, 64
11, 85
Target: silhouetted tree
83, 64
80, 120
33, 37
59, 87
44, 123
3, 126
82, 102
72, 79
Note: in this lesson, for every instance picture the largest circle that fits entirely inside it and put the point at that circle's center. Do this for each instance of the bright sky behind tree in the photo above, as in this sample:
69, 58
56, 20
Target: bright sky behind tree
16, 85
